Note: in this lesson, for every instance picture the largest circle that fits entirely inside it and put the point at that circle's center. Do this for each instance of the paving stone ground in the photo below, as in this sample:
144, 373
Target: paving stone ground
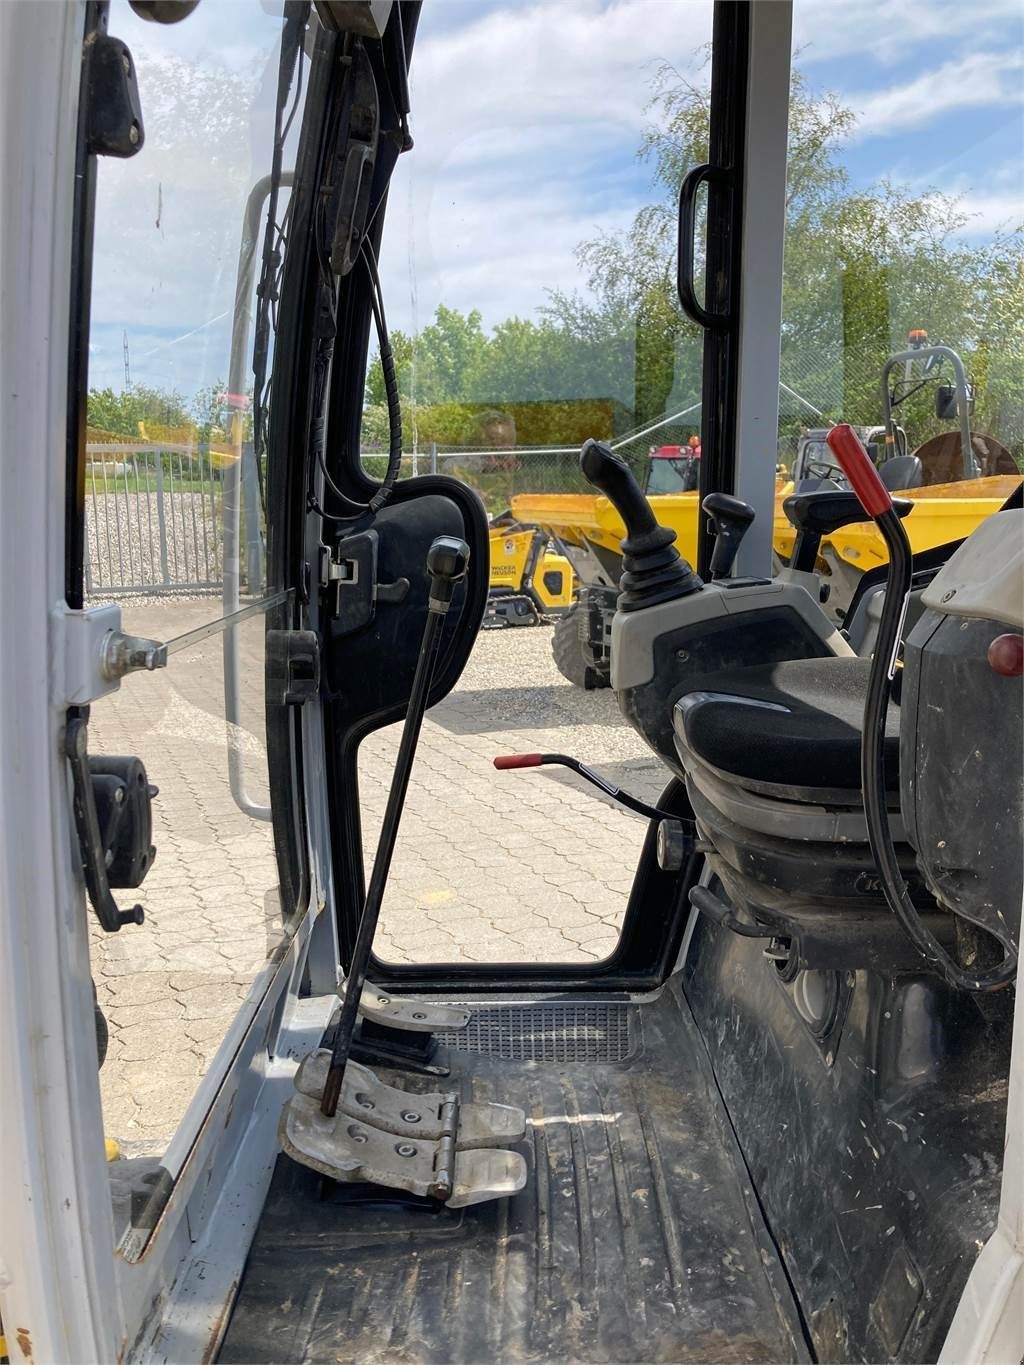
490, 867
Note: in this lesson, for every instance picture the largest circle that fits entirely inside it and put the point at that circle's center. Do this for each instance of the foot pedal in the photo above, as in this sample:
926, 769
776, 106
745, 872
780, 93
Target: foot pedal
406, 1011
429, 1144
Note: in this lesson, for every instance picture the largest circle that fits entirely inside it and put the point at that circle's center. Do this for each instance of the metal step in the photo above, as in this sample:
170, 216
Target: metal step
407, 1011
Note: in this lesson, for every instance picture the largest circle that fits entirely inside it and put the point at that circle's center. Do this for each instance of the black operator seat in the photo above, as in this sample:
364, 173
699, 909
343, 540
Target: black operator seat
791, 730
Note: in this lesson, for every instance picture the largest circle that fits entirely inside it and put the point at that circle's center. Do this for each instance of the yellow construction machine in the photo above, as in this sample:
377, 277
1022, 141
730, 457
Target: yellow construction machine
955, 480
531, 582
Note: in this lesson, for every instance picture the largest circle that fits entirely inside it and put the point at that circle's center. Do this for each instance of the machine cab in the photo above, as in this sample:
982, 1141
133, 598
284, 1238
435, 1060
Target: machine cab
381, 985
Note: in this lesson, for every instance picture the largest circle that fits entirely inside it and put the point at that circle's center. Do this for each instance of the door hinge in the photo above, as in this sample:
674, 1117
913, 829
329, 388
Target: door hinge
92, 654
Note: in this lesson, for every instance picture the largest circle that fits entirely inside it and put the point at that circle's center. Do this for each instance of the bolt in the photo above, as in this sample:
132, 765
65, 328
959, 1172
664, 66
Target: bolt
410, 1117
133, 134
419, 1015
118, 796
126, 63
829, 1059
357, 1135
947, 595
682, 655
383, 1000
405, 1149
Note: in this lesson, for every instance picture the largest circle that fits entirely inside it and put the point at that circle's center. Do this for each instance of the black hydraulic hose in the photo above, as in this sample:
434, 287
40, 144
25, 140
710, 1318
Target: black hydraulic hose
447, 562
877, 503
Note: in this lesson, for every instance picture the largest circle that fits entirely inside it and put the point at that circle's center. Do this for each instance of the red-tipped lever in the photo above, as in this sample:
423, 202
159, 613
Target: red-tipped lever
874, 498
563, 760
856, 464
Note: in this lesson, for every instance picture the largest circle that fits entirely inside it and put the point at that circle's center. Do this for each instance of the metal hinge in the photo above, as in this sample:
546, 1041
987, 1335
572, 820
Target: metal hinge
92, 654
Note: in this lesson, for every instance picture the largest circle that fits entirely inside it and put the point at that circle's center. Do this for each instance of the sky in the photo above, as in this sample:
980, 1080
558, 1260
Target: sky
526, 118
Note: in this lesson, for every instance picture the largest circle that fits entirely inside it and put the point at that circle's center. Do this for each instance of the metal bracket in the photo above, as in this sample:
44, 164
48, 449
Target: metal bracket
92, 654
427, 1144
407, 1011
123, 654
113, 109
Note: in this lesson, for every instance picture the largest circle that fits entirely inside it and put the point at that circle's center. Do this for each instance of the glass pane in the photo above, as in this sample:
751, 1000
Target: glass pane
528, 270
175, 534
903, 235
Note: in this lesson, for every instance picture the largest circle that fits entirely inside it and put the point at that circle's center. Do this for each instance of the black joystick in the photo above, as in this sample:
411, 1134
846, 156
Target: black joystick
653, 570
820, 513
731, 518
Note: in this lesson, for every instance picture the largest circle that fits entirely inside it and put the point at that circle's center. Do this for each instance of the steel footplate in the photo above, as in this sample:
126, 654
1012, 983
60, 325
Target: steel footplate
426, 1144
406, 1011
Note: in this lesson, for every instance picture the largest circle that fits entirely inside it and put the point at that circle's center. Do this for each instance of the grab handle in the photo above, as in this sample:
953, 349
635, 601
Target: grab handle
692, 182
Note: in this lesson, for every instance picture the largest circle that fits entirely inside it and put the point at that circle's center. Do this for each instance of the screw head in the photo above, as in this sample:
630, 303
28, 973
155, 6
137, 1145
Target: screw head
419, 1015
356, 1134
405, 1149
133, 134
410, 1117
946, 596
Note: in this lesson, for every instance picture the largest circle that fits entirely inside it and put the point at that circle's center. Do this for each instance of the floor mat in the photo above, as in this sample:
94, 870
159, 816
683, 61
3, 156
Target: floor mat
636, 1238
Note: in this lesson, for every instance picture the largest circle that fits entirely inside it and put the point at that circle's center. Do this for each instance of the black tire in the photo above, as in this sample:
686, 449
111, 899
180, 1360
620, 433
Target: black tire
568, 652
102, 1034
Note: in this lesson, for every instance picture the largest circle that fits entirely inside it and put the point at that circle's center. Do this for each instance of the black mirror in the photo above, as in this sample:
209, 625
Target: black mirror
945, 403
872, 449
946, 408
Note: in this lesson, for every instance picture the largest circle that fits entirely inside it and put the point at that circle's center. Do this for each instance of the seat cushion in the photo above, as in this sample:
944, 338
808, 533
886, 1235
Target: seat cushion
795, 725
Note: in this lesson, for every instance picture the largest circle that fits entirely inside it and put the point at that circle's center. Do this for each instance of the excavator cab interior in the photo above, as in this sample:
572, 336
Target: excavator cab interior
781, 1117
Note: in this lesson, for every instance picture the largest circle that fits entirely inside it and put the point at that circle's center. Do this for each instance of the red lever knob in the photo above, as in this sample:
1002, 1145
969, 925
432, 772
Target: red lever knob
517, 761
856, 464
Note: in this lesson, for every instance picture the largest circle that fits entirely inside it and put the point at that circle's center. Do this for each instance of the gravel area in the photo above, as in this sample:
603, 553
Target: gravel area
490, 866
127, 546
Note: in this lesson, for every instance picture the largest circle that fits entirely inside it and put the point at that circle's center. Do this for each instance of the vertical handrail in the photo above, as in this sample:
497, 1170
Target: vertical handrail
230, 488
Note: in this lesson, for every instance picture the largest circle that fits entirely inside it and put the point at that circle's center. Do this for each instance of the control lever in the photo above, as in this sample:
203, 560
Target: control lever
653, 570
878, 504
633, 803
820, 513
447, 562
731, 518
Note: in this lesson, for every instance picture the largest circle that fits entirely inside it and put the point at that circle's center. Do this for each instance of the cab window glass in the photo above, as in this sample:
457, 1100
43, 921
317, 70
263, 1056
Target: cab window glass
528, 265
175, 533
904, 259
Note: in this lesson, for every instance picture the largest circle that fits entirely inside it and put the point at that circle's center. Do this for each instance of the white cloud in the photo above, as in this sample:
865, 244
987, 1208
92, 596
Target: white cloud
978, 80
526, 123
887, 30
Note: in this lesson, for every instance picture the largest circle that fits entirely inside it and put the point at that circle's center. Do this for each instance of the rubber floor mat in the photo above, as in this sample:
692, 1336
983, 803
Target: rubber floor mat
636, 1238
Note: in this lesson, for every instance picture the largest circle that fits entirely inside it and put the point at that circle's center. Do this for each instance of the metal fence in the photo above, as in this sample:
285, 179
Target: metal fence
154, 519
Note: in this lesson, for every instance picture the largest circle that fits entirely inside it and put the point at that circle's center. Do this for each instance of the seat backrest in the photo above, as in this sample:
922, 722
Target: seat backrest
812, 485
904, 471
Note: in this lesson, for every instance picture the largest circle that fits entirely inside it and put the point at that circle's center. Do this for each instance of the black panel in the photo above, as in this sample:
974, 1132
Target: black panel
368, 674
877, 1161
